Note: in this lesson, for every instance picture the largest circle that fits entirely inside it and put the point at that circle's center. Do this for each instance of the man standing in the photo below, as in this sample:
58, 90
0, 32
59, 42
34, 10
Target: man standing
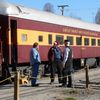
55, 61
35, 62
67, 64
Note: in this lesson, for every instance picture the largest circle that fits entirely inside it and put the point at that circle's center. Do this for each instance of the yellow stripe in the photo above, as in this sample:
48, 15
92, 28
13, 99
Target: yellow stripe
31, 36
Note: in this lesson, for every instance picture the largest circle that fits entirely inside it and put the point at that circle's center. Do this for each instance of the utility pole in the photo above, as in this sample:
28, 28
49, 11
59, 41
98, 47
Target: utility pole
62, 8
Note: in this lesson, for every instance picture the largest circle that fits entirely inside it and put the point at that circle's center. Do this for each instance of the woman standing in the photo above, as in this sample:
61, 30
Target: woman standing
35, 62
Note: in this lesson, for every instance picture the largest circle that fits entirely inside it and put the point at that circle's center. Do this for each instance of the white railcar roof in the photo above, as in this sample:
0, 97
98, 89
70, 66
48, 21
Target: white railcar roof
33, 14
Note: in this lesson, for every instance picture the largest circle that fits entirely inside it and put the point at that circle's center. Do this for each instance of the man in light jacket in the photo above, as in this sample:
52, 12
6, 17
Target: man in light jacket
67, 64
35, 62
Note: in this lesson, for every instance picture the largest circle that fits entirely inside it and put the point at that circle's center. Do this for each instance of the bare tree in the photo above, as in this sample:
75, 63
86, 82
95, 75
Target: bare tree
97, 17
48, 7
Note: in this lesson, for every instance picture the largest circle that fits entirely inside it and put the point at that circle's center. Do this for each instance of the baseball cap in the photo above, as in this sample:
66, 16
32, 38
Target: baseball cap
65, 41
57, 42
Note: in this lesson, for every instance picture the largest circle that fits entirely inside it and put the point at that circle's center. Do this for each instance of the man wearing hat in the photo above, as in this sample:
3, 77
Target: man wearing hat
67, 64
55, 61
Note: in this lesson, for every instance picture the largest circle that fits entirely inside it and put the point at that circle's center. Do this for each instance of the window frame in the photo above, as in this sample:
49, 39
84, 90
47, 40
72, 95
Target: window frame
79, 42
71, 39
24, 37
85, 42
60, 38
40, 38
92, 42
98, 42
49, 38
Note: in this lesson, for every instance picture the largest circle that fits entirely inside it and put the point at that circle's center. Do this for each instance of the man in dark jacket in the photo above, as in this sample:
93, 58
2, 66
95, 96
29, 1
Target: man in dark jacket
55, 62
67, 64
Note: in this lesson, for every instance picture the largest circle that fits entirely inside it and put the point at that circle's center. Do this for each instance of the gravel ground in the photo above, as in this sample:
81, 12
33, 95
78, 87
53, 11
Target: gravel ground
78, 92
62, 93
53, 92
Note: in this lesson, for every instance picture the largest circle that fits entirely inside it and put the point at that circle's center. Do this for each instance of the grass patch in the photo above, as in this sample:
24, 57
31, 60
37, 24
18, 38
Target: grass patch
69, 99
72, 91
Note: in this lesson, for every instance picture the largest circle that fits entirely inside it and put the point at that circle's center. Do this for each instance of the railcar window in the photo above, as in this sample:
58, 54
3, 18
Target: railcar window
98, 42
40, 38
24, 37
78, 40
49, 39
86, 41
93, 41
70, 38
59, 38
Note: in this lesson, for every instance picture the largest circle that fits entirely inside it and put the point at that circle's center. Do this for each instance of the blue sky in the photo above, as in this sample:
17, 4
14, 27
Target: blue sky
84, 9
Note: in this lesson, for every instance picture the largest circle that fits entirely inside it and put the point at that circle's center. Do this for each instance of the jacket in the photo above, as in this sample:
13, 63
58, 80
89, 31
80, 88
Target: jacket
34, 56
54, 54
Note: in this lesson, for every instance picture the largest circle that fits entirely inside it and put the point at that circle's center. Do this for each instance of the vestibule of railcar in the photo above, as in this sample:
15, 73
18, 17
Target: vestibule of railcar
13, 45
4, 46
0, 54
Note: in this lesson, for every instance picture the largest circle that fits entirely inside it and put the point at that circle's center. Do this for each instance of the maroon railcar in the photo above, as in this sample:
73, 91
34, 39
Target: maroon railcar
19, 24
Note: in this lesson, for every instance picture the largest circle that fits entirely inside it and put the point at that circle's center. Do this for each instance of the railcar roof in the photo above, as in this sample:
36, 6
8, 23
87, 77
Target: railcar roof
33, 14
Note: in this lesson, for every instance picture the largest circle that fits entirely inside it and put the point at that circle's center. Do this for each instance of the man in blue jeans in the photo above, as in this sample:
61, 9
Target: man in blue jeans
34, 62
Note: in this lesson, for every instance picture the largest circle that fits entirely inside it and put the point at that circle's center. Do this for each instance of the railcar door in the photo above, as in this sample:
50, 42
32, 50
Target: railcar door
14, 44
4, 46
0, 55
0, 50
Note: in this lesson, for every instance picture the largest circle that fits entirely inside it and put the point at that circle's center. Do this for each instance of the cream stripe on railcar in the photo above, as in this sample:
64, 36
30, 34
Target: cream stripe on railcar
32, 36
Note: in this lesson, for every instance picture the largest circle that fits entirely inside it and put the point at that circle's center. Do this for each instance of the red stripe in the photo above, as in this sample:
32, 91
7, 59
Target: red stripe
48, 27
24, 52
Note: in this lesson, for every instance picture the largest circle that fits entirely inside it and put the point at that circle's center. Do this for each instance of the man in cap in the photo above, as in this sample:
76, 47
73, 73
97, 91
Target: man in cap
55, 61
67, 64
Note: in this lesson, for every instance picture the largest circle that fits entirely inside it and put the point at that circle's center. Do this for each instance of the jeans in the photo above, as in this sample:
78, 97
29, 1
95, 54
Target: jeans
35, 69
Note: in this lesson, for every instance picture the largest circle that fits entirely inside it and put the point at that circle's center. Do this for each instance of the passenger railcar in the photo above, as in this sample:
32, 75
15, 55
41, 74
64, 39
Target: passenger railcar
20, 27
